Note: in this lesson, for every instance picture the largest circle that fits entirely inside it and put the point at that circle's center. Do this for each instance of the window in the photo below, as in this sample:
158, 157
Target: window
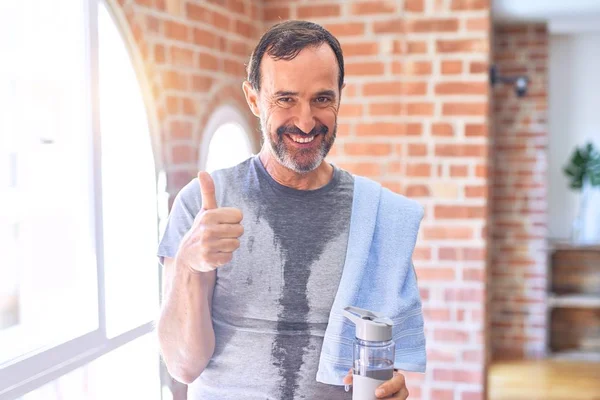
78, 200
226, 140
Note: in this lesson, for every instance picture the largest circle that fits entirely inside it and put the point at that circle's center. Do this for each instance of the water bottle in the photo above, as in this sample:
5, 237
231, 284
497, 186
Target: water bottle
374, 352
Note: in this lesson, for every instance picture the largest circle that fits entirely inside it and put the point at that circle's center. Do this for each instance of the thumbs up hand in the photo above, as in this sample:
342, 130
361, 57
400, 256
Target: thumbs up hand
214, 235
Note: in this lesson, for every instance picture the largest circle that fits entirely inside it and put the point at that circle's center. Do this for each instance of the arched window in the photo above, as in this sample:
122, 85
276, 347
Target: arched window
226, 141
129, 186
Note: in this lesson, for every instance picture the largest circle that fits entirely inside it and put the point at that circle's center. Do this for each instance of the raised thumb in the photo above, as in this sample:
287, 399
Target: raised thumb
207, 188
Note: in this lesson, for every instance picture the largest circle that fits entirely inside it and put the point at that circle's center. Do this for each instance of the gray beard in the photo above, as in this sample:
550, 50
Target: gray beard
279, 151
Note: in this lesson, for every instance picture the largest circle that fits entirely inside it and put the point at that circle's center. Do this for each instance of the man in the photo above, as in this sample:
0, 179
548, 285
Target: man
254, 259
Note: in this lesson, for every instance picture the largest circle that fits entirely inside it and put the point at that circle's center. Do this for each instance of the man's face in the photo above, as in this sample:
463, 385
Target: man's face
298, 102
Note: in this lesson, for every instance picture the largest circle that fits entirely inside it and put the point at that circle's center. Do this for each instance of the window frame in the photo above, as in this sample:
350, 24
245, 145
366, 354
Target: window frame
33, 370
224, 114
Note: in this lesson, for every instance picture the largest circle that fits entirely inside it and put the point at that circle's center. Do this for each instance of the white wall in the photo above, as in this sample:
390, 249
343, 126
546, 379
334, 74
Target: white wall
574, 118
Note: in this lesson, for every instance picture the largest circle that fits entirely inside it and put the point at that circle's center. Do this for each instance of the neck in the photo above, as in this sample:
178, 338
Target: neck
312, 180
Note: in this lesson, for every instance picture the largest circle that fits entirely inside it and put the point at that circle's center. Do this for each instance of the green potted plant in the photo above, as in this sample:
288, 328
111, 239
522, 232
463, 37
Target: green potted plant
583, 172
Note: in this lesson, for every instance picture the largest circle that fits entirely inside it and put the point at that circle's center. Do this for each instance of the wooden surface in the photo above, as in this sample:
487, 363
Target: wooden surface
544, 380
575, 329
576, 271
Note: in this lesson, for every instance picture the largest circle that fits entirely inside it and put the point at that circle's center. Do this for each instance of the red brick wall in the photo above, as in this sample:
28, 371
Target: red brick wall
414, 116
518, 308
194, 54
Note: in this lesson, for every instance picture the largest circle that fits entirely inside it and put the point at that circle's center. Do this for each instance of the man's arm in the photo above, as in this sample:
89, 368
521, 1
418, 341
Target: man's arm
185, 330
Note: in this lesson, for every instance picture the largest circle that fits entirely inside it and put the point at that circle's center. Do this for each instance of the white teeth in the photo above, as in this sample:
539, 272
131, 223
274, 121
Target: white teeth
298, 139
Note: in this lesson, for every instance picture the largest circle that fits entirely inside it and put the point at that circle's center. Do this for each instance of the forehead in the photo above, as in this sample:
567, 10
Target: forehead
313, 69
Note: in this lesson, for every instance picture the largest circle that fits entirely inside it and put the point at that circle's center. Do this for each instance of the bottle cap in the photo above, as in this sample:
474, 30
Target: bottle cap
370, 326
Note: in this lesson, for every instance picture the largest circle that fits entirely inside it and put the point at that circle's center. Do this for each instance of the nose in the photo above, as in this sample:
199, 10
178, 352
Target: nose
306, 121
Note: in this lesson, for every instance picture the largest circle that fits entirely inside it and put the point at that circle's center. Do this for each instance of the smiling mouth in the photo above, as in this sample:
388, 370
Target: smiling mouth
301, 139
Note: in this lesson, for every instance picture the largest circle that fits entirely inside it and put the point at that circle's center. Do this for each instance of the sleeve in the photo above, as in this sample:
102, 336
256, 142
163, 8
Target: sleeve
186, 206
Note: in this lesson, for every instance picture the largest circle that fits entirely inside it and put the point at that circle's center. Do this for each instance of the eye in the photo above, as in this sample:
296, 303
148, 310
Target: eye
286, 99
322, 99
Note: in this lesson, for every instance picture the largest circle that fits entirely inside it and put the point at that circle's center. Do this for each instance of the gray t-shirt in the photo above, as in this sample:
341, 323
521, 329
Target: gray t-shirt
271, 303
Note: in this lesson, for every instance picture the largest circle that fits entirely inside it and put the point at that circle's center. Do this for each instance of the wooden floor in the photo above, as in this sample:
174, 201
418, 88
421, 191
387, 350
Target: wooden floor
544, 380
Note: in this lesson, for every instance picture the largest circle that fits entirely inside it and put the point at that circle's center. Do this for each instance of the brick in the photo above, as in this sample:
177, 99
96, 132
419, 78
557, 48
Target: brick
350, 110
444, 190
418, 170
412, 68
395, 88
422, 253
457, 376
414, 5
442, 129
153, 24
196, 12
346, 29
461, 88
367, 149
173, 80
172, 104
478, 24
183, 154
451, 336
462, 46
364, 68
476, 130
432, 25
318, 11
410, 47
207, 61
436, 314
473, 274
202, 83
189, 107
466, 109
244, 29
237, 6
417, 149
461, 150
448, 232
421, 109
467, 5
395, 167
277, 13
394, 25
395, 187
459, 171
436, 274
221, 21
464, 295
387, 129
181, 57
203, 37
475, 191
159, 54
451, 67
417, 191
472, 396
441, 394
176, 31
459, 212
360, 49
180, 130
372, 7
364, 169
144, 3
234, 68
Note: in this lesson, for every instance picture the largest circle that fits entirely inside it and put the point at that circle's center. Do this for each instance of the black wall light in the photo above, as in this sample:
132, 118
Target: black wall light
520, 82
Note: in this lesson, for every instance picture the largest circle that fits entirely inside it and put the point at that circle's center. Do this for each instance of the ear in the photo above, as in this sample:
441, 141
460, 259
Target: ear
251, 98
